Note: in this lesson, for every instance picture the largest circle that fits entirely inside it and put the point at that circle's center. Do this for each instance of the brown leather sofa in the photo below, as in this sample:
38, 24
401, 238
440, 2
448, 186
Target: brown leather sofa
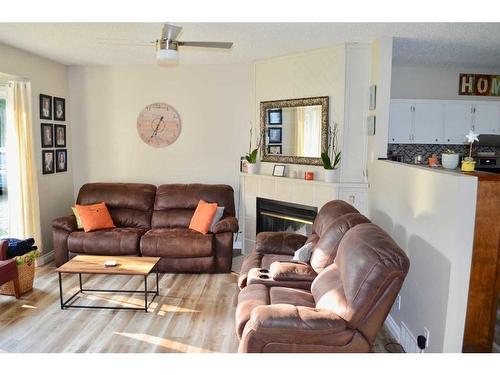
334, 219
153, 221
345, 308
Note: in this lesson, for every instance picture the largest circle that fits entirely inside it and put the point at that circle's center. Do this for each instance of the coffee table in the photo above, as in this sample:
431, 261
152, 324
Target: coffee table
94, 264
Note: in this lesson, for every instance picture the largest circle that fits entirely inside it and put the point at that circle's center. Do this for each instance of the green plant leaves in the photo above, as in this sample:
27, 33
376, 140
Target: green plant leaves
252, 156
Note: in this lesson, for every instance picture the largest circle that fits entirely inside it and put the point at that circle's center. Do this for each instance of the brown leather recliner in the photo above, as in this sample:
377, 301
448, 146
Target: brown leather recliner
334, 219
152, 222
346, 307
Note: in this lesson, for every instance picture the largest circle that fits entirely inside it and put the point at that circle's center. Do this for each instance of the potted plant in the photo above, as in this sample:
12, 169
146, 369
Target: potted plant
331, 157
251, 156
449, 159
468, 164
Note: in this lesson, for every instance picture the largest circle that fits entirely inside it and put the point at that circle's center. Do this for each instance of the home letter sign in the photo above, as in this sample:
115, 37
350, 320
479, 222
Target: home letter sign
479, 84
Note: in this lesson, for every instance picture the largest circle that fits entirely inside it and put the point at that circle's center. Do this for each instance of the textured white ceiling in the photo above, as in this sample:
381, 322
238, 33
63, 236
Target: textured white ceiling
464, 44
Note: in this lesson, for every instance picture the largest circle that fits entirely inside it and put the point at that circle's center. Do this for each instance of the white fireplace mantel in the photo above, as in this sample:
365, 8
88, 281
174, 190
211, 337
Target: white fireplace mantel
311, 193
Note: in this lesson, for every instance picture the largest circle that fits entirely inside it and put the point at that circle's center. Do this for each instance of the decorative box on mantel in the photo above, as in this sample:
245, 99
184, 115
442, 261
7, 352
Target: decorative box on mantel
292, 190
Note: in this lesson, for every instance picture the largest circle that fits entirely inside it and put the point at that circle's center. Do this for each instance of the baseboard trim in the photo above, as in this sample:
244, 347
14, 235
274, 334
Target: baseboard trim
45, 258
392, 327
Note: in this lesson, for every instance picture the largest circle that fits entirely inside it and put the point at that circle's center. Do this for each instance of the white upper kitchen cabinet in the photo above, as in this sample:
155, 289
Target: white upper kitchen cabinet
486, 118
441, 121
428, 122
401, 122
457, 121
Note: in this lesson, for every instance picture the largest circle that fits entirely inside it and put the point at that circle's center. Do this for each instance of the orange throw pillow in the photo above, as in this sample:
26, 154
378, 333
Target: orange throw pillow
95, 216
203, 217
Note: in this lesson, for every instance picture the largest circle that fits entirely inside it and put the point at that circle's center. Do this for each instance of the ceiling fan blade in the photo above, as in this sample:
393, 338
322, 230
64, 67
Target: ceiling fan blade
126, 42
226, 45
170, 31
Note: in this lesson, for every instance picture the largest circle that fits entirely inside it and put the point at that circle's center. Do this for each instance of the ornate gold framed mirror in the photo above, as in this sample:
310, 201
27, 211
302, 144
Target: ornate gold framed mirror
294, 131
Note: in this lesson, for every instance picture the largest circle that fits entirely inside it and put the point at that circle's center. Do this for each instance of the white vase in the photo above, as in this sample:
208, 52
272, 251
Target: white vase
252, 168
449, 161
329, 175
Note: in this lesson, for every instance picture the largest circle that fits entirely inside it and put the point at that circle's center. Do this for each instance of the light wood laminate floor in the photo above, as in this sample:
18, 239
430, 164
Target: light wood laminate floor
194, 313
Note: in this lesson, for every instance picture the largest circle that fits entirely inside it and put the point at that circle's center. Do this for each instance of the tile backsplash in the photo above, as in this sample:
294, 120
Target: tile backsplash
408, 152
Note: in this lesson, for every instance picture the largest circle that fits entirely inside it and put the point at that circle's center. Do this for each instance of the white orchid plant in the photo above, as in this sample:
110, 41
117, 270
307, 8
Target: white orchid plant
331, 157
251, 156
471, 138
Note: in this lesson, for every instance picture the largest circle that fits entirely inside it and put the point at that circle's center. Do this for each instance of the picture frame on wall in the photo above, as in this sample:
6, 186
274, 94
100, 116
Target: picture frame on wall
274, 150
279, 170
47, 135
274, 116
47, 161
370, 123
373, 97
60, 135
59, 109
61, 160
274, 135
45, 107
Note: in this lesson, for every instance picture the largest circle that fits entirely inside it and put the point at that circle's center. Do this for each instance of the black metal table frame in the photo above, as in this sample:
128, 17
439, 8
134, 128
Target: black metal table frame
66, 304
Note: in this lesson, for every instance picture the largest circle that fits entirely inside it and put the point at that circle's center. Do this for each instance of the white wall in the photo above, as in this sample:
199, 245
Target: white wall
380, 75
308, 74
353, 135
214, 103
432, 82
50, 78
430, 214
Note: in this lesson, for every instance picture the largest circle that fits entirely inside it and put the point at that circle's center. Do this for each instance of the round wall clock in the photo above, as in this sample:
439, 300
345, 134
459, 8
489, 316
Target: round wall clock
159, 125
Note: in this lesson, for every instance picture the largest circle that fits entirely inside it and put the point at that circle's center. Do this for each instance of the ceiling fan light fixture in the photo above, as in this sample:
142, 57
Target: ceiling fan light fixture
166, 55
166, 51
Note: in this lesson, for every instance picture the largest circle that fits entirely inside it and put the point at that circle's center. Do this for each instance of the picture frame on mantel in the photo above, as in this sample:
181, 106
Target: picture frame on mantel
279, 170
373, 97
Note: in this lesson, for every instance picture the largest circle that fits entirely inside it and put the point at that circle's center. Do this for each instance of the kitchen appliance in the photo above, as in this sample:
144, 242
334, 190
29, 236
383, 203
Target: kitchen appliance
488, 163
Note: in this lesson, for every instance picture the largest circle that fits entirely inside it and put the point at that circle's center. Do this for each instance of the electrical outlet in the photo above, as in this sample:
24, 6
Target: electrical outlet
427, 335
399, 301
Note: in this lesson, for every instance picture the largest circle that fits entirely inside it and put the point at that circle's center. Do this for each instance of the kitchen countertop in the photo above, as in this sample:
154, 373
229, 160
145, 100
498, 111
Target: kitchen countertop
481, 175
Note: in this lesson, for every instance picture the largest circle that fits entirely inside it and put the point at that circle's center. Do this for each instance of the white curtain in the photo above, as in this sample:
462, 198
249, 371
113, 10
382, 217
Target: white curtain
22, 188
308, 136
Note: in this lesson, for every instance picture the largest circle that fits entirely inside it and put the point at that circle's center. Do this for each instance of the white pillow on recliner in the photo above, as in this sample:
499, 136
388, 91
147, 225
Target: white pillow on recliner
304, 253
216, 219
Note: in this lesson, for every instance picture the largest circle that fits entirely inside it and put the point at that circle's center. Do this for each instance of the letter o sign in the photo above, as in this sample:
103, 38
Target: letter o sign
482, 85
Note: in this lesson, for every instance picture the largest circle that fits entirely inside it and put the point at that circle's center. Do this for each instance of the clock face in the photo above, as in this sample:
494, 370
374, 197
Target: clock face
159, 125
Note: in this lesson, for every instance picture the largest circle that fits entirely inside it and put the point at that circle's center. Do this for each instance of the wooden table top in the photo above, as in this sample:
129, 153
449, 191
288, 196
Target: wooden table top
94, 264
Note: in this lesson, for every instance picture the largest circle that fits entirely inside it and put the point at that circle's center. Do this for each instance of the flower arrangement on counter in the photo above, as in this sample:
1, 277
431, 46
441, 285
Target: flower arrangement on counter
468, 164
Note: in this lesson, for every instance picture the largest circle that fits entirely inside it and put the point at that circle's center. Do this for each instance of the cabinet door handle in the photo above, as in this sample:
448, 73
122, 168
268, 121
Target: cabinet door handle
448, 140
352, 199
436, 139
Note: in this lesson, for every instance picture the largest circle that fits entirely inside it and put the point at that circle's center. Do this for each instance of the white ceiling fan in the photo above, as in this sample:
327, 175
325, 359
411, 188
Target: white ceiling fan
167, 45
